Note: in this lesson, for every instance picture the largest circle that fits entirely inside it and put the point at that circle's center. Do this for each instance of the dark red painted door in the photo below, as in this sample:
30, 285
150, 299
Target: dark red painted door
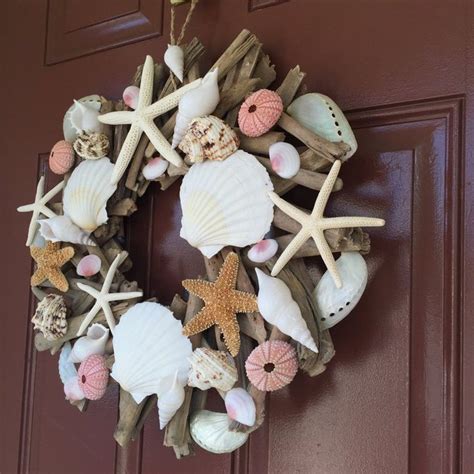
398, 395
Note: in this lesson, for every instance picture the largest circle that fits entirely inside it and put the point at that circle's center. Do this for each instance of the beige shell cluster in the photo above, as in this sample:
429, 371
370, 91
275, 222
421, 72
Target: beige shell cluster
50, 317
92, 146
209, 138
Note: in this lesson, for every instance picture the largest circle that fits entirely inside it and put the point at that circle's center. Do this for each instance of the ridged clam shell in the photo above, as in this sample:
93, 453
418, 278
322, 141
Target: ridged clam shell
174, 59
285, 159
240, 406
62, 229
92, 146
263, 250
210, 430
226, 203
334, 304
50, 317
86, 193
91, 344
82, 116
209, 138
93, 377
320, 114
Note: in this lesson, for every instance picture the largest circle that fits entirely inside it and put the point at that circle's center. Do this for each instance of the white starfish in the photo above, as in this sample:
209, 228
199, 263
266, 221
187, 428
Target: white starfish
141, 120
314, 224
39, 207
103, 297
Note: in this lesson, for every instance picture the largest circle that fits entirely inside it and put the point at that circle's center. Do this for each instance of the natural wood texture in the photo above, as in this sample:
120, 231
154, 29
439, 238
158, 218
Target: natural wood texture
259, 145
290, 85
129, 414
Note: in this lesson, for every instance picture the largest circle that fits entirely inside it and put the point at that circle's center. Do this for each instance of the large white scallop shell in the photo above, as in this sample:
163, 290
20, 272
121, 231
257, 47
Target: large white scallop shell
149, 350
91, 344
197, 102
82, 116
174, 59
321, 114
62, 229
86, 193
226, 203
334, 304
211, 431
278, 307
169, 402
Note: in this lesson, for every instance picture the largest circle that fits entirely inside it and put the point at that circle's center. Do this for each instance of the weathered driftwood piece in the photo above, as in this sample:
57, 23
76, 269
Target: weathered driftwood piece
129, 413
233, 96
259, 145
178, 307
158, 78
265, 70
290, 85
136, 163
106, 231
124, 208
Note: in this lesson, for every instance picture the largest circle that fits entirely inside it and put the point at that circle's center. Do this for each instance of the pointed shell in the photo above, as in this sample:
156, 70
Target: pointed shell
209, 138
174, 59
93, 377
240, 406
263, 250
211, 368
169, 402
130, 96
86, 193
68, 375
155, 168
334, 304
278, 307
226, 203
149, 349
61, 158
285, 159
62, 229
92, 146
210, 430
321, 115
89, 266
50, 317
82, 116
91, 344
197, 102
271, 365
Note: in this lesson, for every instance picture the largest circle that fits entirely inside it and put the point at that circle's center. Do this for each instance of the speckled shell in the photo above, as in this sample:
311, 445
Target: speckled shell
93, 377
209, 138
260, 112
50, 317
61, 158
92, 146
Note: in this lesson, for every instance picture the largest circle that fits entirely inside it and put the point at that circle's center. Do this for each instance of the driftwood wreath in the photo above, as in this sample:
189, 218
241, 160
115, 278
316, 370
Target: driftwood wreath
231, 137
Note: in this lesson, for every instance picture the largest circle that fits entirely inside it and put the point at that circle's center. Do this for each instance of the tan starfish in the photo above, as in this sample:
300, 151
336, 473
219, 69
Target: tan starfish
222, 302
141, 120
50, 259
314, 224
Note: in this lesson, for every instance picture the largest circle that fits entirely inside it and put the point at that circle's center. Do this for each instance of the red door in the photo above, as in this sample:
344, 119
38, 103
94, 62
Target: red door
398, 395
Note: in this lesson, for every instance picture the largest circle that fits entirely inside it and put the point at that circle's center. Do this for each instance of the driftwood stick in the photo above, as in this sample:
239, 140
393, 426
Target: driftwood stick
265, 70
149, 405
233, 96
259, 145
135, 165
129, 413
290, 85
178, 307
123, 208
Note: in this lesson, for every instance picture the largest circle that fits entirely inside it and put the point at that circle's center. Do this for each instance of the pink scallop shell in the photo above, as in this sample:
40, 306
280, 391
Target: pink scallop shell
155, 168
61, 158
93, 377
260, 112
130, 96
89, 265
271, 365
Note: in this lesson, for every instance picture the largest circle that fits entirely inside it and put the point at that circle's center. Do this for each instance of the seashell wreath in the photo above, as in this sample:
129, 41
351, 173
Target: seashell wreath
258, 317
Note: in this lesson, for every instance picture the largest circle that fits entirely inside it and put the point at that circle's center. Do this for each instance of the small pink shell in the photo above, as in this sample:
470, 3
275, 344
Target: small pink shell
263, 250
155, 168
61, 158
89, 265
271, 365
130, 96
260, 112
93, 377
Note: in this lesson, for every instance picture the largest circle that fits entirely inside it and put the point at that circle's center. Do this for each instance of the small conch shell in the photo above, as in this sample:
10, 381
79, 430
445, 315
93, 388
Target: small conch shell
130, 96
278, 307
68, 375
88, 266
197, 102
285, 159
174, 59
211, 431
62, 229
50, 317
170, 401
92, 146
240, 406
155, 168
209, 137
82, 116
263, 250
93, 343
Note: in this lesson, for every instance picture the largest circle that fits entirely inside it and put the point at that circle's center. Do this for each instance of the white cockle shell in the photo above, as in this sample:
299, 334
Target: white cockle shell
174, 59
62, 229
278, 307
155, 168
263, 250
68, 375
211, 431
91, 344
226, 203
240, 406
82, 116
86, 193
150, 348
321, 115
285, 159
334, 304
197, 102
169, 402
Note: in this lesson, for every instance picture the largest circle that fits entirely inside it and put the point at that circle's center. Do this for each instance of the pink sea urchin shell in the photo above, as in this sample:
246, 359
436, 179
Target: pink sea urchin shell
271, 365
89, 265
93, 377
260, 111
61, 157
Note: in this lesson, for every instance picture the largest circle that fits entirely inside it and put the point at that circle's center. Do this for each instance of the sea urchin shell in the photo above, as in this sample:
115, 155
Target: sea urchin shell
93, 377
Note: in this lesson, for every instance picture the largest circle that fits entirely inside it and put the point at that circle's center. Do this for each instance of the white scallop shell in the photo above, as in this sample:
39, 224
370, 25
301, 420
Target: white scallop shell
155, 168
89, 265
211, 431
334, 304
285, 159
226, 203
62, 229
93, 343
86, 193
68, 375
149, 349
82, 116
278, 307
169, 402
263, 250
174, 59
197, 102
322, 115
240, 406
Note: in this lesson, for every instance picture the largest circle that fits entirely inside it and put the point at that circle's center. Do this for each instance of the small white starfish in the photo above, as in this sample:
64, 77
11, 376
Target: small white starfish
39, 207
103, 297
314, 224
141, 120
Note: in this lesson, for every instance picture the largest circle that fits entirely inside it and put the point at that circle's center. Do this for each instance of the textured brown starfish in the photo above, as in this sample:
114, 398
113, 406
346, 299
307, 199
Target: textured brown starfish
222, 302
49, 261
